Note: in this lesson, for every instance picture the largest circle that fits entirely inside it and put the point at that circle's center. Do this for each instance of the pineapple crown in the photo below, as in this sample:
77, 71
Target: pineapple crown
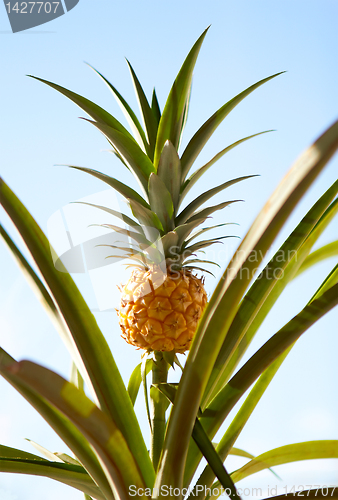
161, 227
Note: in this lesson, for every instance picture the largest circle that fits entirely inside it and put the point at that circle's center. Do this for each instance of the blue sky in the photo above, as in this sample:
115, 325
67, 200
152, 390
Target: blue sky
248, 41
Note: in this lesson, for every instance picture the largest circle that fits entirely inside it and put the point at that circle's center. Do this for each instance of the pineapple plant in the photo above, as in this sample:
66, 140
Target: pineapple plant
164, 311
163, 300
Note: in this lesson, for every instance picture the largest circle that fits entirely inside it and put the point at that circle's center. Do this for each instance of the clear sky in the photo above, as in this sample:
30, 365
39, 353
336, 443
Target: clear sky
248, 40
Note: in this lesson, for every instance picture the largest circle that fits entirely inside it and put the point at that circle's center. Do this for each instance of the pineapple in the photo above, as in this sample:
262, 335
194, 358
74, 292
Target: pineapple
163, 300
165, 319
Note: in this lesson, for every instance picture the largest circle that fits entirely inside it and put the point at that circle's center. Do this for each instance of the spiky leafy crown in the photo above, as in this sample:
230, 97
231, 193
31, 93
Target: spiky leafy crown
151, 154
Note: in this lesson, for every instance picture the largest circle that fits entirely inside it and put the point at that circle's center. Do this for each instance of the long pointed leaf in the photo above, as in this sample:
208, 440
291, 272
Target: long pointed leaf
73, 476
161, 201
101, 431
277, 344
237, 424
197, 175
136, 380
204, 197
156, 107
119, 215
146, 217
214, 323
61, 425
148, 115
205, 229
184, 230
213, 459
130, 152
269, 355
93, 110
133, 122
204, 213
310, 450
169, 170
33, 279
201, 137
121, 188
267, 288
205, 445
330, 281
173, 112
95, 358
139, 238
322, 253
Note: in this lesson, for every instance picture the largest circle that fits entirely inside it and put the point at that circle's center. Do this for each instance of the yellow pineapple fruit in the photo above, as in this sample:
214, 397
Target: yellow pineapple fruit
166, 317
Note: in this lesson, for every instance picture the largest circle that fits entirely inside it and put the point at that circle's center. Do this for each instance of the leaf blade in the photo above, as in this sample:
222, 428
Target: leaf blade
204, 133
95, 359
174, 108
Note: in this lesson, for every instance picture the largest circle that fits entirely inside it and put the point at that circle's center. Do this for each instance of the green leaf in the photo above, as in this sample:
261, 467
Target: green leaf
156, 107
322, 253
35, 283
197, 175
225, 446
148, 115
205, 229
204, 444
195, 268
94, 358
204, 197
329, 282
265, 361
96, 112
265, 229
310, 450
7, 453
193, 261
15, 461
139, 238
169, 170
61, 425
145, 388
100, 430
184, 230
127, 220
202, 136
214, 461
238, 452
131, 153
204, 213
170, 244
225, 400
190, 250
267, 288
147, 218
161, 202
214, 324
123, 189
131, 118
172, 117
185, 116
136, 380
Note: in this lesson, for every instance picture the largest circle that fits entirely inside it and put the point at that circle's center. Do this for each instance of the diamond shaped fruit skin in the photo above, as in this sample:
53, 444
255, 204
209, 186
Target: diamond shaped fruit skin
166, 318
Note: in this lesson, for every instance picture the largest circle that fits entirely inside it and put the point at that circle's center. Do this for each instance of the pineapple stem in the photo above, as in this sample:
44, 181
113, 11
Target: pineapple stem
158, 406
